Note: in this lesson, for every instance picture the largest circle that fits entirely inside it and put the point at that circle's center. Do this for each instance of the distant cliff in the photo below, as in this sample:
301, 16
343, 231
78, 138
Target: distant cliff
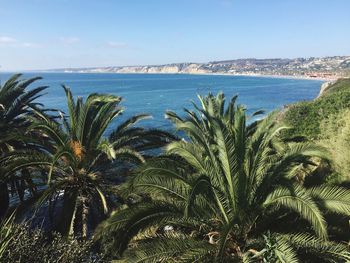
325, 67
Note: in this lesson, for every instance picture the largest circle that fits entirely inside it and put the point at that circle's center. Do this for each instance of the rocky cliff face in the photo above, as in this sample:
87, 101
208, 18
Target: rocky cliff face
324, 87
192, 68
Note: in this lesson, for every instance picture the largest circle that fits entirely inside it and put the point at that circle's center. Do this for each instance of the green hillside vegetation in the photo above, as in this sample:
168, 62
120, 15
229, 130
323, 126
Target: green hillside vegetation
335, 137
230, 190
306, 117
339, 85
326, 121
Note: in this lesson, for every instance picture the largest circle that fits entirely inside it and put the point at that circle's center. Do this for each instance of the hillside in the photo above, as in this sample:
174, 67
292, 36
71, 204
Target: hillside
326, 121
306, 116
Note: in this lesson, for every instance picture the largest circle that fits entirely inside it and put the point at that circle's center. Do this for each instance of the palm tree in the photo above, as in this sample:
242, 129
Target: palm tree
227, 193
17, 105
81, 159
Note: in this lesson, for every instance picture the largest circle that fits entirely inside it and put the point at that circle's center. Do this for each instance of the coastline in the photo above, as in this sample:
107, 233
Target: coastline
277, 76
300, 77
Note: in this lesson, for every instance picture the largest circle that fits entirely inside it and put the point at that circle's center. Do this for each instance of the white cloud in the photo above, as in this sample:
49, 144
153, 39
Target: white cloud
69, 40
117, 44
7, 40
29, 44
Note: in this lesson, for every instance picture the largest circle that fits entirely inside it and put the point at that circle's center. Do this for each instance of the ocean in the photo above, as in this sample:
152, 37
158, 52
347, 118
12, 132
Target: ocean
156, 93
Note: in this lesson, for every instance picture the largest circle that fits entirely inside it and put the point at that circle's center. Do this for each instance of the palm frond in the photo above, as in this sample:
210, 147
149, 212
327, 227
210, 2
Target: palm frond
332, 198
170, 248
325, 250
301, 202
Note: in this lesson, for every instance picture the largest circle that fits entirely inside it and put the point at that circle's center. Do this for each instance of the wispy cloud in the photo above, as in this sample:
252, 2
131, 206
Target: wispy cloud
7, 40
30, 44
69, 40
114, 44
13, 42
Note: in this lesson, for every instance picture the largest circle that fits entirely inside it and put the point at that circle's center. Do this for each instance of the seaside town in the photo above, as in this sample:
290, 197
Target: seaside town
328, 68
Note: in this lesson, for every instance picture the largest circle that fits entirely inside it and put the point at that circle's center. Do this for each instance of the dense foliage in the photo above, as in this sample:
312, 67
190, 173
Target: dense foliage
226, 194
23, 245
326, 122
305, 117
231, 190
335, 137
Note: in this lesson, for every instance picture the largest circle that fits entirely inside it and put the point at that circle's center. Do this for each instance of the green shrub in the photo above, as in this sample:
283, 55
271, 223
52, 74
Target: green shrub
27, 245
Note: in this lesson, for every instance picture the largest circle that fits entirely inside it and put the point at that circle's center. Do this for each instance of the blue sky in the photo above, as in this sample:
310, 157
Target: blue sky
41, 34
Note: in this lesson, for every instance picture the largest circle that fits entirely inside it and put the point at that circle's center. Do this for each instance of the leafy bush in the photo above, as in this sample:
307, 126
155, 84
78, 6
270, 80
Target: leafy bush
28, 245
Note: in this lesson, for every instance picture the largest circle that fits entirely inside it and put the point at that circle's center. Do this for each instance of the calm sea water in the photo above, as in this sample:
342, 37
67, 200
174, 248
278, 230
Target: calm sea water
156, 93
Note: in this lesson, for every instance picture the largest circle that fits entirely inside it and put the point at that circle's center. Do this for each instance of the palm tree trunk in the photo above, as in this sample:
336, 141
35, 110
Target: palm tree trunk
67, 213
4, 199
84, 217
20, 187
